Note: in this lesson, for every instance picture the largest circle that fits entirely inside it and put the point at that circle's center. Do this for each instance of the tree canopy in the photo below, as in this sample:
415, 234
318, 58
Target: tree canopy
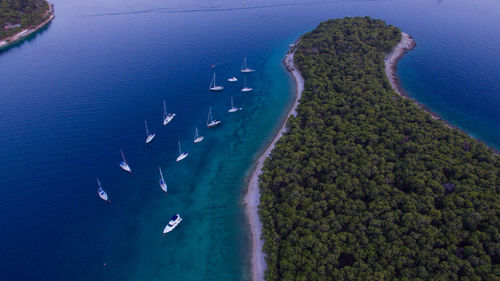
367, 186
21, 12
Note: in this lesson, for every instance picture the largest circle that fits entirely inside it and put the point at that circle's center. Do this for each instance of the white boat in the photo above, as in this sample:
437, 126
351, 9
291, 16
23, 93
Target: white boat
167, 117
232, 79
245, 88
214, 87
182, 155
244, 67
163, 185
124, 165
149, 137
101, 192
212, 122
173, 223
197, 138
233, 108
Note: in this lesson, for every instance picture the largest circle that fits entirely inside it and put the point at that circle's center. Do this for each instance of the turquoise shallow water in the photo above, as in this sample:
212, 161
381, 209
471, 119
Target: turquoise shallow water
74, 94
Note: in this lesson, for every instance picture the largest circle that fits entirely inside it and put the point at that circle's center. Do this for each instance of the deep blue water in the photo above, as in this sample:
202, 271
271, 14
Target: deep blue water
72, 95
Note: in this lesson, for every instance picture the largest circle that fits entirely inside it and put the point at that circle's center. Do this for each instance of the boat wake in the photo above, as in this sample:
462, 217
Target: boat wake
219, 9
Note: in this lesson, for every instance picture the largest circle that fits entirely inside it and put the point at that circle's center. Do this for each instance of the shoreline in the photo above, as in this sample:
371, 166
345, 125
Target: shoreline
252, 198
16, 38
391, 65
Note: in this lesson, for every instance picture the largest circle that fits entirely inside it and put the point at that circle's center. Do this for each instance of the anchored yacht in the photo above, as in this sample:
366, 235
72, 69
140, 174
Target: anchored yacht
173, 223
101, 192
124, 165
167, 117
214, 87
212, 122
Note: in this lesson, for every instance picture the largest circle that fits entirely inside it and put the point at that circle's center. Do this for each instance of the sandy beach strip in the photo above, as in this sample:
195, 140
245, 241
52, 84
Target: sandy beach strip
252, 197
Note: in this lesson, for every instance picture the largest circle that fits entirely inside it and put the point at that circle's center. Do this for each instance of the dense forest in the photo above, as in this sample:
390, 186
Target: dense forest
25, 13
367, 186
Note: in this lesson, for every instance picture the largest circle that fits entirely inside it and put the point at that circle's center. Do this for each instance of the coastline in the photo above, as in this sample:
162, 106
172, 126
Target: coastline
391, 64
8, 41
252, 198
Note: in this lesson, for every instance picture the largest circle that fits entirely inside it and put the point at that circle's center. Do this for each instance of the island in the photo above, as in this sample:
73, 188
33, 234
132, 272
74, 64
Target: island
364, 184
20, 18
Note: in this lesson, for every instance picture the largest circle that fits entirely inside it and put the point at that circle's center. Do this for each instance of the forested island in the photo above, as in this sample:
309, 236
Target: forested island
19, 15
367, 186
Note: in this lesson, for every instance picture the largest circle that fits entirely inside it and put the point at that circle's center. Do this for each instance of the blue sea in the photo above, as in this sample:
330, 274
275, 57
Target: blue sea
78, 91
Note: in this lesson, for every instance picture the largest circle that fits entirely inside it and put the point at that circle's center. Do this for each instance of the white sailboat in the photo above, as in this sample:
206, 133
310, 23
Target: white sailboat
124, 165
163, 185
182, 155
167, 117
174, 221
149, 137
101, 192
245, 88
197, 138
214, 87
212, 122
232, 79
244, 67
233, 108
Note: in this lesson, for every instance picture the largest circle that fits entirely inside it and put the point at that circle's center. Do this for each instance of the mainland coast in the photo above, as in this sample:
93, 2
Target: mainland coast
258, 263
8, 41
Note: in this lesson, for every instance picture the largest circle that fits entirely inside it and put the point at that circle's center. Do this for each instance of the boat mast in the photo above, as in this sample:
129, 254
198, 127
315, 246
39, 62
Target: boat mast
123, 155
196, 134
209, 115
99, 183
180, 147
232, 102
146, 125
212, 83
161, 174
164, 109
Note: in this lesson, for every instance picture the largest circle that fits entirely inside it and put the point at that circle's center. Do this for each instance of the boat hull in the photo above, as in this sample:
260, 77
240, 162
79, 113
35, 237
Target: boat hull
125, 167
198, 139
168, 119
182, 156
150, 138
163, 185
216, 89
103, 195
172, 225
213, 124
